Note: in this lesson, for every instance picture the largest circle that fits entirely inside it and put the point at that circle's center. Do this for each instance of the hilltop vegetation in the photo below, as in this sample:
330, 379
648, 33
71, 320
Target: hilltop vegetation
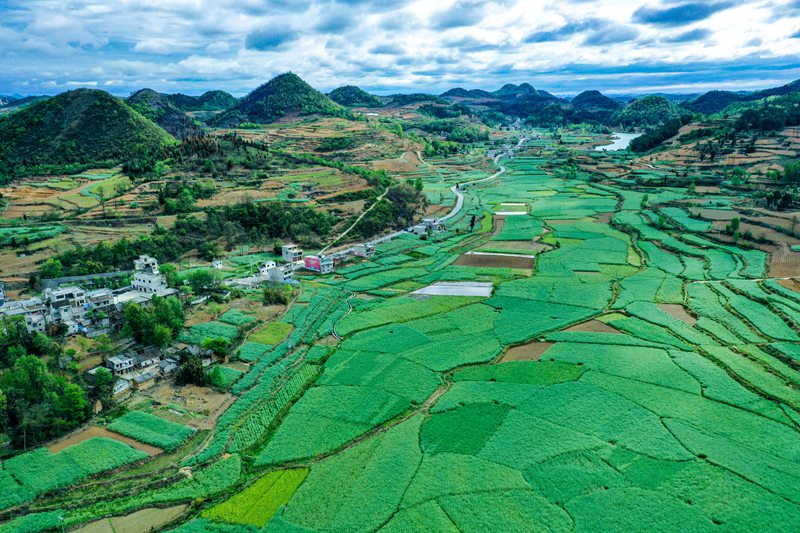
460, 92
716, 101
73, 130
352, 96
208, 101
160, 109
284, 95
648, 111
594, 101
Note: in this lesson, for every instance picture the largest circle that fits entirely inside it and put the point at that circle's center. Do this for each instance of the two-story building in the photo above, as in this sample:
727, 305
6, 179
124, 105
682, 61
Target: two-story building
147, 277
319, 263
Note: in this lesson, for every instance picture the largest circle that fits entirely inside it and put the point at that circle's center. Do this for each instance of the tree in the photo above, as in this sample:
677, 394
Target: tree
215, 309
72, 406
276, 293
104, 386
162, 335
219, 346
103, 345
52, 268
217, 377
791, 173
204, 280
191, 372
157, 324
733, 226
170, 273
139, 322
3, 413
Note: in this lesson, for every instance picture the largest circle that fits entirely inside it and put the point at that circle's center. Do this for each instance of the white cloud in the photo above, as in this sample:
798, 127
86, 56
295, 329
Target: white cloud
194, 45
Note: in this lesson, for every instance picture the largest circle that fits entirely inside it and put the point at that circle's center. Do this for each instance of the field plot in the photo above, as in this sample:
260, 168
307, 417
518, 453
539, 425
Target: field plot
151, 429
209, 330
457, 288
26, 476
495, 260
259, 502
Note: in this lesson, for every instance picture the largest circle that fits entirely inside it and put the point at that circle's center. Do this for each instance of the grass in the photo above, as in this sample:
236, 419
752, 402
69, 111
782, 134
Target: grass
237, 318
25, 476
647, 426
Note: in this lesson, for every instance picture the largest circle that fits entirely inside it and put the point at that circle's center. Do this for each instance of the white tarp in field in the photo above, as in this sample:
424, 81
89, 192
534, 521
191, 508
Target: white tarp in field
457, 288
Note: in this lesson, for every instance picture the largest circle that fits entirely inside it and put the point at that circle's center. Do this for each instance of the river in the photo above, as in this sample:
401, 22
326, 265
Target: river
620, 141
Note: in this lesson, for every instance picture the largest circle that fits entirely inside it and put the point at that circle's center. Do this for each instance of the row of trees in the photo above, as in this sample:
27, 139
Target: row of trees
249, 221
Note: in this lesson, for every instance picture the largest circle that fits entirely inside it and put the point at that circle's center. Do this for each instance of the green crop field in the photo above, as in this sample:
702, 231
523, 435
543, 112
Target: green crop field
209, 330
28, 234
641, 376
151, 429
25, 476
272, 333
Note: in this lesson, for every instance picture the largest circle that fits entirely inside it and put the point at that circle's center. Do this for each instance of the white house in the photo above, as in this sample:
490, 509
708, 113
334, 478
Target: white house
147, 277
121, 364
291, 253
319, 263
364, 250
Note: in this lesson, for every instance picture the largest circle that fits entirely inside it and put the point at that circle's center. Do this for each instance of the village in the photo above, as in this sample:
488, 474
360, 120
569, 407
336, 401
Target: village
65, 308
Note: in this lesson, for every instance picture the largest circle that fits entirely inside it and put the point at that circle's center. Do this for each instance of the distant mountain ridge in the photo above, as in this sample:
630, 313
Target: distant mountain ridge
208, 101
716, 101
594, 100
460, 92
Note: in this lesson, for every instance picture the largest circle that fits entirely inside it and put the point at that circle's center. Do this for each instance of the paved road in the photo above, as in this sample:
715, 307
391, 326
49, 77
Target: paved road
460, 195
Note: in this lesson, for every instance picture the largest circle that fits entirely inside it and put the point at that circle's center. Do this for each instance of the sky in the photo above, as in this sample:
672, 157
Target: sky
385, 46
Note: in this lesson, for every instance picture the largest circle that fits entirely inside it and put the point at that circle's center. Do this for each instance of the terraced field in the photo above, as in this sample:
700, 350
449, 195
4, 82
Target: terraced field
660, 391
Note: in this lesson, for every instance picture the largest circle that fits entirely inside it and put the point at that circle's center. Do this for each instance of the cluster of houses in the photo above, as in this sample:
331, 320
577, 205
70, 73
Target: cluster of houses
139, 369
75, 310
293, 258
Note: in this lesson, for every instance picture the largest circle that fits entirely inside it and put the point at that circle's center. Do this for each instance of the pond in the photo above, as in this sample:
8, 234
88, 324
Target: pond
620, 142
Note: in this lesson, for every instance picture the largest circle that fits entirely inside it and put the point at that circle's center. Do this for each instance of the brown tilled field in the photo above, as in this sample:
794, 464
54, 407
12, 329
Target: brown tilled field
677, 311
495, 261
149, 519
532, 351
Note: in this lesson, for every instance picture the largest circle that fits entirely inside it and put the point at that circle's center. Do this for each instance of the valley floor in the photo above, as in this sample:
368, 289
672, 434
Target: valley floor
629, 376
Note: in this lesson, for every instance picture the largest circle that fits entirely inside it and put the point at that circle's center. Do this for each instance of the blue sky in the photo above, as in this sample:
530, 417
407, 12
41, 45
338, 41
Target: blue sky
563, 46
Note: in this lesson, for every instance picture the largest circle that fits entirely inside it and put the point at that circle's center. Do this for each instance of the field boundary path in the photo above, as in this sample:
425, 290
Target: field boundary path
353, 225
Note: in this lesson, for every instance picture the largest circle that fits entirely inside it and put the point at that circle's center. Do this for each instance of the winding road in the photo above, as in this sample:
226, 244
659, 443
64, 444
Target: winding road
458, 190
455, 189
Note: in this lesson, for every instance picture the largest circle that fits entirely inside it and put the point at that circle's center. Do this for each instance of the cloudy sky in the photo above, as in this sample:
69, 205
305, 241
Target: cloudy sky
564, 46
